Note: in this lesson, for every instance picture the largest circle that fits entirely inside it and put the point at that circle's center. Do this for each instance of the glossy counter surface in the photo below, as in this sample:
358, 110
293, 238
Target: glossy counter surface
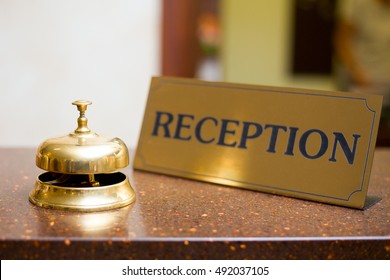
175, 218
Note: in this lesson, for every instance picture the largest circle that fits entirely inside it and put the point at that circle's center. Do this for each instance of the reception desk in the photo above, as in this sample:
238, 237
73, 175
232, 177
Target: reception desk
175, 218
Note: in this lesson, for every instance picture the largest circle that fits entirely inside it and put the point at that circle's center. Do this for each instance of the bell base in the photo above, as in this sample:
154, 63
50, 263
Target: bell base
114, 192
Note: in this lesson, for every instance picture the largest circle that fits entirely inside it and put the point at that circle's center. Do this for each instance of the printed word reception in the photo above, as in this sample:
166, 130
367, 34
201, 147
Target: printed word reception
308, 144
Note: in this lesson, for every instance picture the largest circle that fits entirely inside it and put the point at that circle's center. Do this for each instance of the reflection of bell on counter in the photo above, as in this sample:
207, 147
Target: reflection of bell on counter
82, 171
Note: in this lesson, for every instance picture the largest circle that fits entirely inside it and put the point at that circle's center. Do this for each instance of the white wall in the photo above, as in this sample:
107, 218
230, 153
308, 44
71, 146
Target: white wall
53, 52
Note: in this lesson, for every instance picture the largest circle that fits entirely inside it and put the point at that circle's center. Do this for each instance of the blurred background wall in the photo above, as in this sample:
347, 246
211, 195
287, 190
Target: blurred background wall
258, 41
53, 52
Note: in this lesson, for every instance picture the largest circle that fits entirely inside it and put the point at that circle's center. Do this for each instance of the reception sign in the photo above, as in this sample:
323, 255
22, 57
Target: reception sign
308, 144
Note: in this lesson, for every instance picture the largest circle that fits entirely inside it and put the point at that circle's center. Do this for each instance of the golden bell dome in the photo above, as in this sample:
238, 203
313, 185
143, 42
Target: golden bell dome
82, 152
82, 170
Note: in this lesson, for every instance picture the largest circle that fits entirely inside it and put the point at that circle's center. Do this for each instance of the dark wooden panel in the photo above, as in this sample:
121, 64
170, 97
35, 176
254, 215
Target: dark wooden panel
180, 49
313, 36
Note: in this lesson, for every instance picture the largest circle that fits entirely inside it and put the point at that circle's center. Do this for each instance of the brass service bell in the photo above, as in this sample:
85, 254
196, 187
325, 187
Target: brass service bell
82, 171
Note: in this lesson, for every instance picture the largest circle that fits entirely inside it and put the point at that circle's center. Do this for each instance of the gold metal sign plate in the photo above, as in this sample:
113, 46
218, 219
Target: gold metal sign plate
309, 144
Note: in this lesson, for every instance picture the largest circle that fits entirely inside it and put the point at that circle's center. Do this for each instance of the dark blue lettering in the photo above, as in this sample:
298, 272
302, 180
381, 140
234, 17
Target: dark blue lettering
224, 131
245, 133
274, 136
180, 125
323, 146
291, 141
348, 152
164, 124
198, 130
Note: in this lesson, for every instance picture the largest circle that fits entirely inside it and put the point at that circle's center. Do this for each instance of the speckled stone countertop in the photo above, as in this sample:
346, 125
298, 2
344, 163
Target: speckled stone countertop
175, 218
